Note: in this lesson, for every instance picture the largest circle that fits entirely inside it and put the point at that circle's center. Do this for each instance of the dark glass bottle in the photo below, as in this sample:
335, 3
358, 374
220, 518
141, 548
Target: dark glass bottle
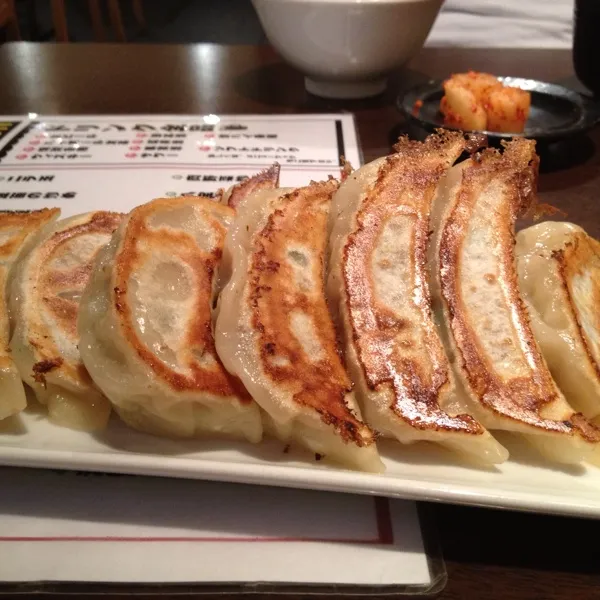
586, 44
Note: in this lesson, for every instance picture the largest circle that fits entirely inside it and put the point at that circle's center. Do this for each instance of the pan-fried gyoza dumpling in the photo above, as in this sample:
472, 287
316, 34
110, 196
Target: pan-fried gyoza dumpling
145, 324
45, 294
378, 290
559, 276
18, 229
496, 356
274, 331
265, 180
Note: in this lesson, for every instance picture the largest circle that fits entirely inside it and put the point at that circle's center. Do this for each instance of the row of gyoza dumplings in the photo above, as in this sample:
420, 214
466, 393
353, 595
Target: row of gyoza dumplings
325, 315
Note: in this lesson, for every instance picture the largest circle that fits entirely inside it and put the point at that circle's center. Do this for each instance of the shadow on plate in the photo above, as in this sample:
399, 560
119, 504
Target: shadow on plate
427, 454
119, 436
13, 426
522, 453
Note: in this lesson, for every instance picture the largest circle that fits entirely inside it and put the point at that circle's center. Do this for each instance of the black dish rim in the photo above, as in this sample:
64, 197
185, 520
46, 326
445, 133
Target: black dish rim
589, 111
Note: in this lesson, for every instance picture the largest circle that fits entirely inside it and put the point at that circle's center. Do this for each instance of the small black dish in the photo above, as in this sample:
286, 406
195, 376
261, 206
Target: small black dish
556, 111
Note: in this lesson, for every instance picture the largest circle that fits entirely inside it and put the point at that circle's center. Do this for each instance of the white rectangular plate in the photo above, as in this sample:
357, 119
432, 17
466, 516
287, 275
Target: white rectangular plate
421, 472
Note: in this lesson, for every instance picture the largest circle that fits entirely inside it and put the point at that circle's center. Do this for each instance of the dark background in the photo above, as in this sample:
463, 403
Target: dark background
168, 21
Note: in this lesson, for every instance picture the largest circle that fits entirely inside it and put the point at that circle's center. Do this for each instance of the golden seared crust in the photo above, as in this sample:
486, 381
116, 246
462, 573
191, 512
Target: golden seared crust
42, 367
265, 180
198, 357
278, 291
403, 353
521, 396
16, 226
15, 229
57, 286
346, 169
580, 257
54, 282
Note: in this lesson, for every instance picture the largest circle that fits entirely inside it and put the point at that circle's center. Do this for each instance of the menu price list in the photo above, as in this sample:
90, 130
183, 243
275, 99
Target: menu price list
117, 162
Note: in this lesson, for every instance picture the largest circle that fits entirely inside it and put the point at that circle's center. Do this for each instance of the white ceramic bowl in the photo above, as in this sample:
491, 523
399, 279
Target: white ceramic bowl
347, 47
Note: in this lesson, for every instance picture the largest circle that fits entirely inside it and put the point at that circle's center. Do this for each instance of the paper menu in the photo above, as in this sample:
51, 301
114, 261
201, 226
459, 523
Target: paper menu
57, 526
80, 163
118, 528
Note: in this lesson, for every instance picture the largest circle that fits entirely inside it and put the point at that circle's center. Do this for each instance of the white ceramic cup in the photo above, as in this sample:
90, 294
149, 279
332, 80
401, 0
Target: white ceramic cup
346, 48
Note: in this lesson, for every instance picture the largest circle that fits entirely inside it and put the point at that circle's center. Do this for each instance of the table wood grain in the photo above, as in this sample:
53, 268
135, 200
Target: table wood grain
489, 554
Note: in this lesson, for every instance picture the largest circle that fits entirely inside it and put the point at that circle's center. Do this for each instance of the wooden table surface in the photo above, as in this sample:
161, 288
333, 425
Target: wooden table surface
489, 554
